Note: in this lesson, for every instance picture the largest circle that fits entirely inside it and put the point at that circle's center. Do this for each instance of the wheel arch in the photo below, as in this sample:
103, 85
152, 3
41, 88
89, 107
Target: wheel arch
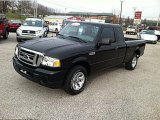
82, 61
137, 52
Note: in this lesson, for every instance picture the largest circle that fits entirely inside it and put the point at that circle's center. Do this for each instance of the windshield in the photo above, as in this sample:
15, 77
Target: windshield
83, 31
131, 27
151, 32
35, 23
1, 21
15, 21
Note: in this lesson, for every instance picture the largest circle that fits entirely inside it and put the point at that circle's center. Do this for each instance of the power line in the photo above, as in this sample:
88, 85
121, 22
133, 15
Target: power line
68, 6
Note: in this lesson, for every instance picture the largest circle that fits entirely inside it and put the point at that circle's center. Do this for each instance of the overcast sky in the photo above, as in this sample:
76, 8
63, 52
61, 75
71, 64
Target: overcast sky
150, 8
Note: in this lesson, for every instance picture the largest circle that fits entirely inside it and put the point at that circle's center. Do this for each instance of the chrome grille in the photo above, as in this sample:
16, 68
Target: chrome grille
28, 31
30, 57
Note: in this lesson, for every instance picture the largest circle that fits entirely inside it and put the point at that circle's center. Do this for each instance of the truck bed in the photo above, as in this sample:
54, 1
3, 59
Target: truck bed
130, 39
133, 45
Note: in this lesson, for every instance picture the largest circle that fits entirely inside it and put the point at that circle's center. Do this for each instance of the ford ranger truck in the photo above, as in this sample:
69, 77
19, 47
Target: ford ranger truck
79, 49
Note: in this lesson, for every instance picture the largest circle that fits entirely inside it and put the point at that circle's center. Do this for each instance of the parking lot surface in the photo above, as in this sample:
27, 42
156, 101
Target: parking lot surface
114, 94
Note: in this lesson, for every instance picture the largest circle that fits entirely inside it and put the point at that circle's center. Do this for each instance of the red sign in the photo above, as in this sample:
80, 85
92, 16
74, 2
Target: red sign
137, 15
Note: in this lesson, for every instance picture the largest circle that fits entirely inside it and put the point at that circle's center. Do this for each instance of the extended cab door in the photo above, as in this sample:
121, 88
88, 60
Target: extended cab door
106, 55
121, 45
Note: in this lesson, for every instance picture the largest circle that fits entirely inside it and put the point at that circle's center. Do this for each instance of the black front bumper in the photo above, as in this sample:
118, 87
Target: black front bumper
152, 42
44, 77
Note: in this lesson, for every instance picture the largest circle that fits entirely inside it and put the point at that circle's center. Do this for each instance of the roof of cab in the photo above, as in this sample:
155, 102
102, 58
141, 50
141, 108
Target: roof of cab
33, 19
98, 23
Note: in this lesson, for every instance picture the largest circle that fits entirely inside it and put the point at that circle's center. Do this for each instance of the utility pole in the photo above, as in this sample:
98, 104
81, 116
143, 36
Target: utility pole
35, 8
158, 20
134, 10
120, 20
4, 6
65, 12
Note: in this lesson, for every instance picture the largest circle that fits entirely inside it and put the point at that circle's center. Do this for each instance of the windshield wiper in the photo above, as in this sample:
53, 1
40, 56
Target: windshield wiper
81, 40
61, 35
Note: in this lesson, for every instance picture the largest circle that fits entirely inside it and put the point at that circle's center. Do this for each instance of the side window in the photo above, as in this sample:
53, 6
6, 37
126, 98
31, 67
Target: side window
119, 34
108, 33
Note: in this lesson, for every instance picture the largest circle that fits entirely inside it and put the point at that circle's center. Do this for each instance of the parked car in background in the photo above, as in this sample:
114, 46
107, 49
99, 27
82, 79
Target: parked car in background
149, 36
131, 30
78, 50
55, 27
4, 26
30, 29
156, 30
13, 25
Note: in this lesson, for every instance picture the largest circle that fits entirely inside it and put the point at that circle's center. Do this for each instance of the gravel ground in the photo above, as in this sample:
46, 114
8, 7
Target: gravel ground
114, 94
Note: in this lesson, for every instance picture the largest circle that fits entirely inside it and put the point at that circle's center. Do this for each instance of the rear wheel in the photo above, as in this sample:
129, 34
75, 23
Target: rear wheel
45, 34
131, 65
5, 36
18, 40
76, 80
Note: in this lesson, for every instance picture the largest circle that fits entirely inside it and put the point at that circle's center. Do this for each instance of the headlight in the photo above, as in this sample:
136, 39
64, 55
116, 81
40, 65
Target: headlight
16, 51
38, 32
19, 30
51, 62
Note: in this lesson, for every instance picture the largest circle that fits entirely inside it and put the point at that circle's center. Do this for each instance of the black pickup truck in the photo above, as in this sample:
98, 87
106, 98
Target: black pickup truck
79, 49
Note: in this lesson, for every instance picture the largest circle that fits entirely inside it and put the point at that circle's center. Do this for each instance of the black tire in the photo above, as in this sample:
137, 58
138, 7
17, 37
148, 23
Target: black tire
45, 34
18, 40
155, 42
5, 36
131, 65
68, 85
56, 30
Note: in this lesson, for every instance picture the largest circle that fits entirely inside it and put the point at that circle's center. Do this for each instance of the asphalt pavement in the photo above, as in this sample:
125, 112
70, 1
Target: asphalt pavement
113, 94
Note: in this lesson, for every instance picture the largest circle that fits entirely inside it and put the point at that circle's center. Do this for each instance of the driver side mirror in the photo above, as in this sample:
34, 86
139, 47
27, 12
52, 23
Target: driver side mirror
104, 41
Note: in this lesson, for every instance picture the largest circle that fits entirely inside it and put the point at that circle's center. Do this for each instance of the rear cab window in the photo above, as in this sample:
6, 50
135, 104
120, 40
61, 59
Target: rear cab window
2, 19
108, 32
119, 34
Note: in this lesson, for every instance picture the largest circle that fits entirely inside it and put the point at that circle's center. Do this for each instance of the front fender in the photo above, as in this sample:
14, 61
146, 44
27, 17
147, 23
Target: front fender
79, 59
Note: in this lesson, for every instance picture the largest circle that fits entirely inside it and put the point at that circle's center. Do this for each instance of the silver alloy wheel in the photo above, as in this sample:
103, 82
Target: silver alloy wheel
77, 81
134, 62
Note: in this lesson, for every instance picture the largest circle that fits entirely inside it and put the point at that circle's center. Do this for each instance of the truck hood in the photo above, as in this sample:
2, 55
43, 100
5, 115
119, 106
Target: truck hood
46, 44
30, 28
57, 47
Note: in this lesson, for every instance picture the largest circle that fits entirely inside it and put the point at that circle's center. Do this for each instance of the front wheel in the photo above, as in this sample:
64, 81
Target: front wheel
56, 30
5, 36
45, 34
76, 80
18, 40
131, 65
